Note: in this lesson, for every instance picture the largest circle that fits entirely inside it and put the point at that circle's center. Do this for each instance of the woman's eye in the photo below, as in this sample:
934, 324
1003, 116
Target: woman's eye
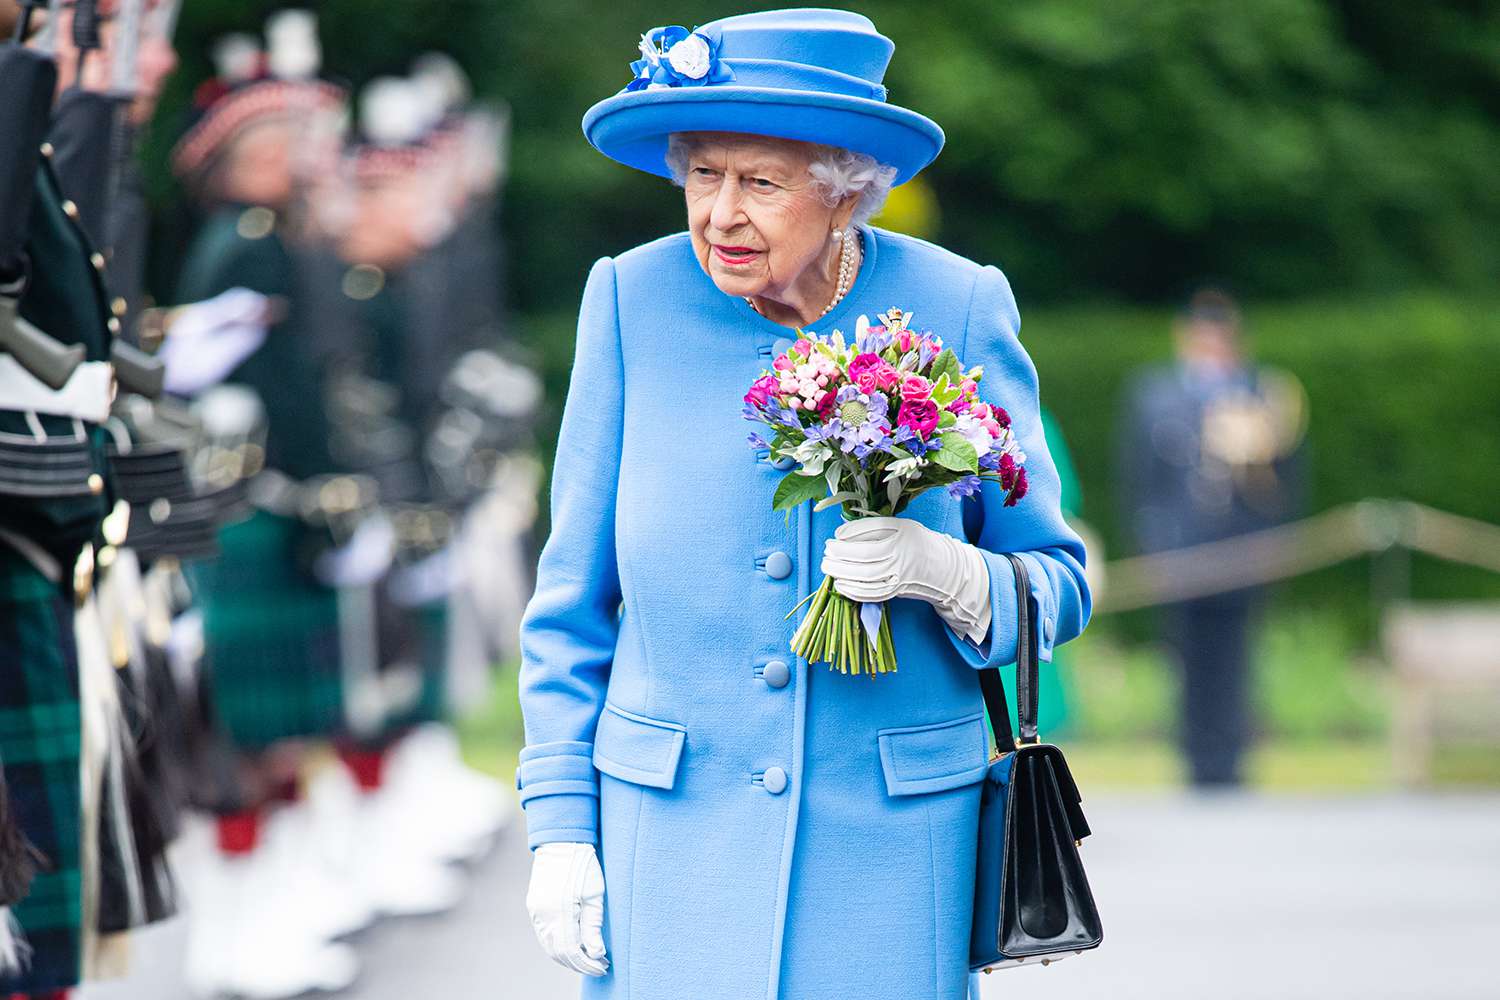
762, 184
705, 172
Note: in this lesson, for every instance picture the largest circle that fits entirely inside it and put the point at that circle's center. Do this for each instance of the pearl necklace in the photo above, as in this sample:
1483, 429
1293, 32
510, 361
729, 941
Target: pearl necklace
848, 250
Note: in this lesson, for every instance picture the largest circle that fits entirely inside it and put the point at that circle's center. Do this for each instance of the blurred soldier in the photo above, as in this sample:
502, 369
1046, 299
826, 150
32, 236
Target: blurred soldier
55, 389
1210, 452
271, 627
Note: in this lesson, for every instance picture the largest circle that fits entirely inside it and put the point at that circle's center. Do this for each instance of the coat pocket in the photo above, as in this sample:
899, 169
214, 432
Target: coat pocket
637, 749
934, 757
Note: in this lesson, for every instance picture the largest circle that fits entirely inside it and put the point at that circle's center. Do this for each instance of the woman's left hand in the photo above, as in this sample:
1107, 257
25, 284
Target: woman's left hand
875, 559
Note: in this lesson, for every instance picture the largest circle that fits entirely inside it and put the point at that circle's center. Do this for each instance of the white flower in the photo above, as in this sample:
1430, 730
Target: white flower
812, 454
972, 431
903, 468
690, 57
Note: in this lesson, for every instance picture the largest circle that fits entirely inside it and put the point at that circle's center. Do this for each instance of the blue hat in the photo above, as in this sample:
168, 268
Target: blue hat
808, 74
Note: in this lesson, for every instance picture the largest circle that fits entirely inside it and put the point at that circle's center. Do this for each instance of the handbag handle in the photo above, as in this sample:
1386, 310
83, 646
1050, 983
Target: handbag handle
1027, 656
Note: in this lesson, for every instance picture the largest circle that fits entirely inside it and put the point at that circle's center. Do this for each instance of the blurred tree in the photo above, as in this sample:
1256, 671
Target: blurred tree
1094, 150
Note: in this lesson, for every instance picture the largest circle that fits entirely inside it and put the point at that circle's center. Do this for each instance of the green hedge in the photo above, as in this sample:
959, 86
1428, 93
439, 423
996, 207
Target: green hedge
1403, 396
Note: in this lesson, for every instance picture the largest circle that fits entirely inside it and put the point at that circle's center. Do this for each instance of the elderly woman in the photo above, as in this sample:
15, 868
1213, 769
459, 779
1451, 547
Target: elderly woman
712, 816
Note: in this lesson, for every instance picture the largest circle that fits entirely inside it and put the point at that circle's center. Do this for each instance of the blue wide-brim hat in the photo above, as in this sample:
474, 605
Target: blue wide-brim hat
809, 74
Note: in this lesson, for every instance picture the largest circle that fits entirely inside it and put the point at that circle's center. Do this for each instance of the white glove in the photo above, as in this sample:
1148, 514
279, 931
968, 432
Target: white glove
876, 558
566, 902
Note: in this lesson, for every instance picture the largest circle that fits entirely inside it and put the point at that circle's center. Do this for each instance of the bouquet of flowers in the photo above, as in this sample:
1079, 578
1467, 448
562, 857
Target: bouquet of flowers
872, 424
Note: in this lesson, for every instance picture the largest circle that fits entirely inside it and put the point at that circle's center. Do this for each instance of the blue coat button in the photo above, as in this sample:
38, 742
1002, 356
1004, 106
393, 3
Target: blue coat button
781, 346
776, 673
775, 780
783, 463
778, 565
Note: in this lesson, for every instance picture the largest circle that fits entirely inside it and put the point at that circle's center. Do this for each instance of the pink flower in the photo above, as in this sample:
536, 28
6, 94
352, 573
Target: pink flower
915, 388
866, 380
1019, 490
805, 346
993, 426
783, 363
1007, 470
762, 389
968, 387
863, 363
921, 415
959, 405
980, 411
1000, 415
904, 340
886, 375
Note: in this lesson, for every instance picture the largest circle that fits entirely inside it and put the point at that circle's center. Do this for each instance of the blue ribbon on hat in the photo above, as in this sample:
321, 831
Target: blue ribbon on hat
672, 56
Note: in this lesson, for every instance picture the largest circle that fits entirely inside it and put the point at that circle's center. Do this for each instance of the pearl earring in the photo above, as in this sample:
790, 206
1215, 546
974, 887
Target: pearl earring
836, 235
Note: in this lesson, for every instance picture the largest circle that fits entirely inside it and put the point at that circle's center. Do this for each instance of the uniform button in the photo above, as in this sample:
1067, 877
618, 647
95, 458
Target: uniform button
778, 565
775, 780
783, 463
781, 346
776, 673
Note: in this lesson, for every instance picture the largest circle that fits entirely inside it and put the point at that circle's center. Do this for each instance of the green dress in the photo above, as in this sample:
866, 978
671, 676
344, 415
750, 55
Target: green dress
270, 629
40, 717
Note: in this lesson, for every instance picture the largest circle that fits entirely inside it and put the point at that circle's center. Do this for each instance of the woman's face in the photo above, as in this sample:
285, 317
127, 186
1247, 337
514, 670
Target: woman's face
759, 225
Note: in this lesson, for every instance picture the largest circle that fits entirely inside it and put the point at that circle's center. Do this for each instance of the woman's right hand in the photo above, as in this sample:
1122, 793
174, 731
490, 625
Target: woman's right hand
566, 903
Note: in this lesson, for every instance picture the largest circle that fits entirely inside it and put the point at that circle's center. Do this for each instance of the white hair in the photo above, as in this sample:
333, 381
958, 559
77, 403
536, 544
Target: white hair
836, 173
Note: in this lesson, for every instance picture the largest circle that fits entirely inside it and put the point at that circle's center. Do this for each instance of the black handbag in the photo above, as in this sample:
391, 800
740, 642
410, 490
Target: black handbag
1032, 903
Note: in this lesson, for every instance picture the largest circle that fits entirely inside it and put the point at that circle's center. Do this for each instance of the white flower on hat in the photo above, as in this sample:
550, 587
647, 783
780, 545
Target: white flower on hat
691, 56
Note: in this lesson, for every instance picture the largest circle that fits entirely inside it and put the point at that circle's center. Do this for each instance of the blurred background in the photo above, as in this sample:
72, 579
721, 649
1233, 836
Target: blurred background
1328, 162
1279, 217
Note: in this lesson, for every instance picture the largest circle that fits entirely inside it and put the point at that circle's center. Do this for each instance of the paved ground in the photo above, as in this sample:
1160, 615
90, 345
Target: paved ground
1383, 898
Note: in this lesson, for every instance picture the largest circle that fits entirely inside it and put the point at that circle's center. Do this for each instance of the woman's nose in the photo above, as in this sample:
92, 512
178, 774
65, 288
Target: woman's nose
726, 214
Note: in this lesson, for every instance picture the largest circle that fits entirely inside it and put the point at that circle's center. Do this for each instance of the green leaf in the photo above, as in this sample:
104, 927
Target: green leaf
836, 498
946, 419
956, 454
946, 363
795, 488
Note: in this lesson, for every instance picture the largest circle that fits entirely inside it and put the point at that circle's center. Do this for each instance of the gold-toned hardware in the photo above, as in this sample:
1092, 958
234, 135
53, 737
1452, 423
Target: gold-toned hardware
70, 210
119, 306
1077, 843
83, 575
96, 483
116, 525
97, 259
47, 149
988, 969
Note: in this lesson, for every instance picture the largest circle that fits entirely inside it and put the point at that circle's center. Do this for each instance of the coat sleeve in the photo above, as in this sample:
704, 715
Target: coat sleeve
571, 623
1034, 528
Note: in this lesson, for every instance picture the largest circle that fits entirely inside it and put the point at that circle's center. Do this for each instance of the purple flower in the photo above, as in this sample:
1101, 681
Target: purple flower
862, 419
990, 460
965, 487
756, 441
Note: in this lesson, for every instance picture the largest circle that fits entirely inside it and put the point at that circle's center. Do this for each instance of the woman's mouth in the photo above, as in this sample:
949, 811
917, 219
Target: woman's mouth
735, 256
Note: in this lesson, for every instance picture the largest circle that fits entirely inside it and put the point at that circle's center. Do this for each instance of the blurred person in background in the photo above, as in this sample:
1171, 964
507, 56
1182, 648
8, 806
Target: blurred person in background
271, 626
1209, 451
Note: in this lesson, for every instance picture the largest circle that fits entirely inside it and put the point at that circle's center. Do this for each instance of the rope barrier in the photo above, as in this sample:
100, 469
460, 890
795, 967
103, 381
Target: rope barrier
1289, 550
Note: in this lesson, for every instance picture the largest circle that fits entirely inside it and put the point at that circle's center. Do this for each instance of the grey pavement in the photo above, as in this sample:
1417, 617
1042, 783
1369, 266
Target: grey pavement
1228, 896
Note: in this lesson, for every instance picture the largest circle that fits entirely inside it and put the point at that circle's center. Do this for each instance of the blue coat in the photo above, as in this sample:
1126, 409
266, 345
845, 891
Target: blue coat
766, 828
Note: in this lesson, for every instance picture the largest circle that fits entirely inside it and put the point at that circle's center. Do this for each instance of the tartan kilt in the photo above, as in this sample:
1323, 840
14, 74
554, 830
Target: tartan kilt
271, 641
41, 746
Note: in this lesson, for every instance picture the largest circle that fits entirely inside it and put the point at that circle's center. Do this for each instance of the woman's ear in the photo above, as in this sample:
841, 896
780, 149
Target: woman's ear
845, 211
